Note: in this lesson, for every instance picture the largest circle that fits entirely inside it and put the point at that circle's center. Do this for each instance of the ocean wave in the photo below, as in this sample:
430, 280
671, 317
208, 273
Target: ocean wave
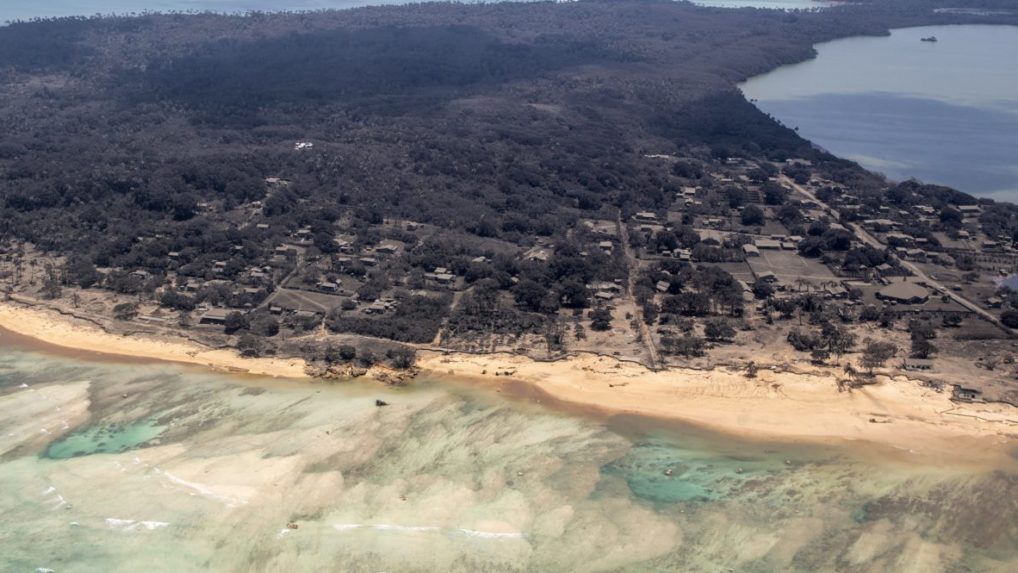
342, 527
200, 489
133, 525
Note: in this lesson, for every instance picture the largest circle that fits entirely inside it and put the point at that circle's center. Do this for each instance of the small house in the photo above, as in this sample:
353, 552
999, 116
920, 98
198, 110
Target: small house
216, 316
962, 394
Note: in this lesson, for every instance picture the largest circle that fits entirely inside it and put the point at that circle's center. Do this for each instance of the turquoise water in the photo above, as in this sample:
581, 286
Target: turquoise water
105, 439
943, 112
204, 472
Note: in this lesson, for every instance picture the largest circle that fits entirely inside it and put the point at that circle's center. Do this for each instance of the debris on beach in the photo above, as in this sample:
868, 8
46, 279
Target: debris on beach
381, 403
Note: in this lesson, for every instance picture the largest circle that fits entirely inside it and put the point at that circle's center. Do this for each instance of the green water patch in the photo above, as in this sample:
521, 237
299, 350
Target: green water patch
660, 471
105, 439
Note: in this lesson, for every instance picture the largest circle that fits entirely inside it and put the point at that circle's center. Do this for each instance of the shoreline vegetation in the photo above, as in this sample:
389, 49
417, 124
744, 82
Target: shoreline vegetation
803, 404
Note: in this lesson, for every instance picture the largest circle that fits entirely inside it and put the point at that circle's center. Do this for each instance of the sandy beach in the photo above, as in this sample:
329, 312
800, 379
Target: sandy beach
800, 406
58, 330
804, 405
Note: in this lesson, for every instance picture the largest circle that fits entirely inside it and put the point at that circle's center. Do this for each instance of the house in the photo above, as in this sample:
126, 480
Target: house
606, 246
962, 394
605, 286
537, 255
215, 316
970, 209
880, 225
835, 291
328, 286
387, 247
368, 261
286, 252
662, 286
904, 293
646, 216
771, 244
750, 250
917, 364
915, 255
377, 307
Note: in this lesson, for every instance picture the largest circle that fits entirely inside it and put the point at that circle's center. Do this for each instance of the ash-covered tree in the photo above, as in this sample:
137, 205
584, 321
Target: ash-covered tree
718, 329
601, 319
876, 354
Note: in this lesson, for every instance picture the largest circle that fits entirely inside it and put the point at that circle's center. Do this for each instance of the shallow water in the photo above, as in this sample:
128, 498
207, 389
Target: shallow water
446, 478
944, 112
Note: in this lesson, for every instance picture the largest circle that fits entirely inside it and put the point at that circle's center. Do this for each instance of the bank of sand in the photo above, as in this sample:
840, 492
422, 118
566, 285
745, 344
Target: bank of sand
803, 405
56, 329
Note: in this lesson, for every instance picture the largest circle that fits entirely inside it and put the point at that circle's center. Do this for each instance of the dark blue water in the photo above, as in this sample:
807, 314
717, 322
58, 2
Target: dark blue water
970, 148
943, 112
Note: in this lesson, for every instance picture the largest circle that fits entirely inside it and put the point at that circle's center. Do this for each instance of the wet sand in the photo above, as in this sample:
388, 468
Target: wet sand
793, 406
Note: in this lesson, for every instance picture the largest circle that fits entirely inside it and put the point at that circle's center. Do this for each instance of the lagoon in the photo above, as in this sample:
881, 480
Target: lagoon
944, 112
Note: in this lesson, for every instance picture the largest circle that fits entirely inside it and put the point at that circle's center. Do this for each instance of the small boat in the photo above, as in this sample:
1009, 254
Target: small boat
928, 39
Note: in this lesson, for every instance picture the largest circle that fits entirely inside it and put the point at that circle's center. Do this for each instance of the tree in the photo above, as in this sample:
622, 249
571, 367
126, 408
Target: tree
687, 345
762, 289
600, 319
837, 340
876, 354
922, 347
347, 353
870, 313
718, 329
819, 355
51, 284
650, 312
125, 311
235, 321
265, 325
402, 358
752, 215
249, 345
1009, 318
951, 320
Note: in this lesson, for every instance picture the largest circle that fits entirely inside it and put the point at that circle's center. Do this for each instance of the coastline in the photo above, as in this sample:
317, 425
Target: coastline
55, 329
803, 405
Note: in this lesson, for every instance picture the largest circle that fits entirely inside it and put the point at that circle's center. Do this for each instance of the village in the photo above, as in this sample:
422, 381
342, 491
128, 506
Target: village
750, 263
